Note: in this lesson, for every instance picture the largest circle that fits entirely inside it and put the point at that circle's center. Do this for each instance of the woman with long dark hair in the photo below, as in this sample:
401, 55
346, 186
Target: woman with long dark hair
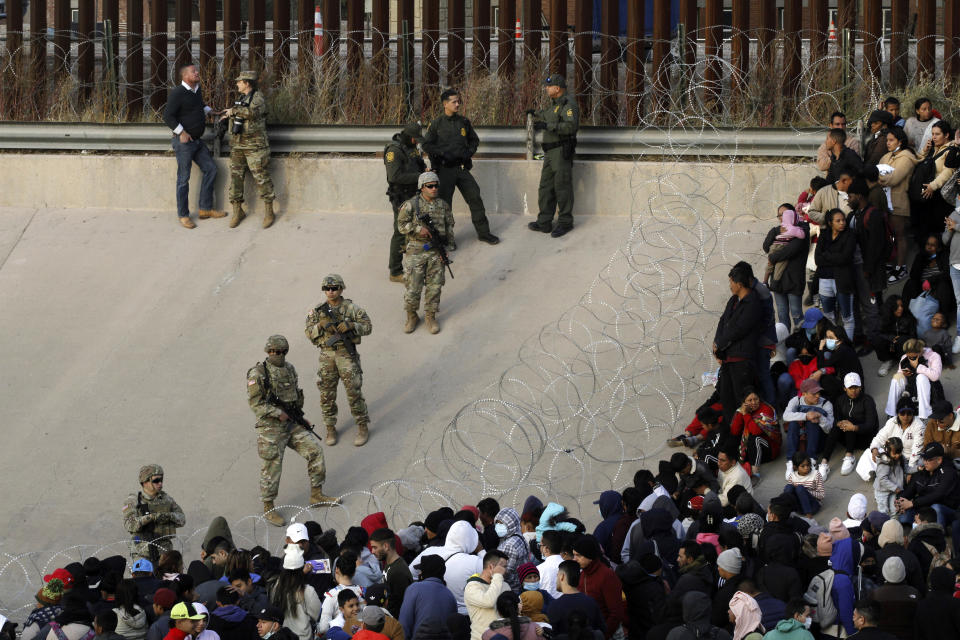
901, 157
131, 618
511, 624
834, 255
297, 599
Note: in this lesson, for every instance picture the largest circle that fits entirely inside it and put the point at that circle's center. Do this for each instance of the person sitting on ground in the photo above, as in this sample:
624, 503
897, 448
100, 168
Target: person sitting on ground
836, 358
897, 601
692, 473
930, 275
889, 482
704, 425
927, 540
943, 426
891, 542
906, 426
511, 625
810, 414
572, 600
855, 423
805, 485
938, 338
731, 474
935, 485
918, 378
756, 427
778, 532
897, 325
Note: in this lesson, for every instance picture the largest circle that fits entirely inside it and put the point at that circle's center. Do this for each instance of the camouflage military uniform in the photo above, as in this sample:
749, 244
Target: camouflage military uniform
422, 266
250, 149
336, 363
151, 521
275, 435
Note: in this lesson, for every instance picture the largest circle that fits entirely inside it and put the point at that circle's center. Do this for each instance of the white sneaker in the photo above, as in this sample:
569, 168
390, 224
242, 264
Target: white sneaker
789, 469
956, 345
885, 368
849, 462
824, 470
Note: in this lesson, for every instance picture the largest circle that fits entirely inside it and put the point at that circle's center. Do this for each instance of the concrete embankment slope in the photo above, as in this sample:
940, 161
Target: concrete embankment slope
561, 364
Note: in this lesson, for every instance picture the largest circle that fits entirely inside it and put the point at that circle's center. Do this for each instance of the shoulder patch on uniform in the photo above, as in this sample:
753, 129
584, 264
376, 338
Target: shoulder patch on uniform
389, 156
569, 113
463, 131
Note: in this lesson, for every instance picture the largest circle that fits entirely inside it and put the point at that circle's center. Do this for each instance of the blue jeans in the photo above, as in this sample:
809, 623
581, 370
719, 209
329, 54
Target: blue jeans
955, 279
187, 153
786, 389
789, 309
814, 433
830, 298
808, 504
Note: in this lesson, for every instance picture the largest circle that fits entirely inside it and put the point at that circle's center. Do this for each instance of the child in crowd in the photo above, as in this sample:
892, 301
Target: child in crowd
892, 106
805, 484
889, 481
348, 604
788, 231
806, 196
939, 340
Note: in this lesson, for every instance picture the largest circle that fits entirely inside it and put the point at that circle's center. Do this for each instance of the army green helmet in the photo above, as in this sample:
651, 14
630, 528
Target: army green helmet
148, 471
277, 343
248, 76
333, 280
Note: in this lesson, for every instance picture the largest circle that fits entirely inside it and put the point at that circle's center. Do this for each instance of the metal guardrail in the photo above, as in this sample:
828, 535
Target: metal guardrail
592, 142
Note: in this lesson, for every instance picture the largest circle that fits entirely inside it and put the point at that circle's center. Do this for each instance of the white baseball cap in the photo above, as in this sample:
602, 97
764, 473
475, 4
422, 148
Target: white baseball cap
297, 532
852, 379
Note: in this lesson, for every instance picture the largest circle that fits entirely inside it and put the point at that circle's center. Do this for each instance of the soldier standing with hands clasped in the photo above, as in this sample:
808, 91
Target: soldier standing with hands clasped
451, 142
151, 516
404, 165
269, 384
422, 262
559, 122
336, 327
249, 148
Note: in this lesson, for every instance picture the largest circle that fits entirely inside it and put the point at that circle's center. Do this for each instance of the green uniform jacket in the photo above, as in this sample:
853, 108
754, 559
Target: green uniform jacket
404, 165
254, 134
347, 312
163, 516
283, 382
450, 141
407, 223
562, 118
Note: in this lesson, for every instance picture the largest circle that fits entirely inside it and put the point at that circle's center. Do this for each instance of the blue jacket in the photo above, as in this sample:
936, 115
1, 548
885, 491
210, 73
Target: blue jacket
611, 508
843, 594
427, 600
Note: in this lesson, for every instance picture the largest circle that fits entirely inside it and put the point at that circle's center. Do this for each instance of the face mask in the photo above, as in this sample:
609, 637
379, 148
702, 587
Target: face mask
501, 529
831, 344
267, 637
805, 359
807, 622
932, 256
531, 586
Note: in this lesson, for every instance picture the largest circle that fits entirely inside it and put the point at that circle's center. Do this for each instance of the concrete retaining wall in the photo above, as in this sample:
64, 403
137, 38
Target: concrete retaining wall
311, 184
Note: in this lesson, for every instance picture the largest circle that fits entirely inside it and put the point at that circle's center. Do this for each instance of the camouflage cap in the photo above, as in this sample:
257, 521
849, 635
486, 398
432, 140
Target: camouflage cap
413, 130
147, 471
276, 342
556, 80
248, 76
333, 280
425, 177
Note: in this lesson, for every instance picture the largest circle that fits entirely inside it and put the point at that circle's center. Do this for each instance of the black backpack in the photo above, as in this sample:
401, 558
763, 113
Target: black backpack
923, 173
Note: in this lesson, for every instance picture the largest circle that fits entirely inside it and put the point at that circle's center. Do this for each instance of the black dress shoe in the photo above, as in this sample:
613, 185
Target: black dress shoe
489, 238
560, 231
533, 226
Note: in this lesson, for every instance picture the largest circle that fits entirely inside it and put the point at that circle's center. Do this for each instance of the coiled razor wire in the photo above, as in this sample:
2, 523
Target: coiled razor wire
593, 395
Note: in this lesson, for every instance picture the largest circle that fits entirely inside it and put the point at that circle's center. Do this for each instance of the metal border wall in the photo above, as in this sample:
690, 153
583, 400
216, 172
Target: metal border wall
593, 142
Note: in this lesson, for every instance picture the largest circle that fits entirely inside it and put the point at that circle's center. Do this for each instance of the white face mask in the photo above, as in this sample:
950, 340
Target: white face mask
807, 622
501, 529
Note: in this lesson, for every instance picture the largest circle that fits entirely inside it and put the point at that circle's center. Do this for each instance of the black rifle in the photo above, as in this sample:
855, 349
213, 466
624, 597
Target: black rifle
337, 337
439, 242
294, 413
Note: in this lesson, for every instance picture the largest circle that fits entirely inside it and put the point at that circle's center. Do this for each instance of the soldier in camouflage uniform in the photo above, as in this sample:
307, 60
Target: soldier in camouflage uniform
422, 264
404, 165
249, 148
559, 122
336, 327
451, 142
276, 431
151, 516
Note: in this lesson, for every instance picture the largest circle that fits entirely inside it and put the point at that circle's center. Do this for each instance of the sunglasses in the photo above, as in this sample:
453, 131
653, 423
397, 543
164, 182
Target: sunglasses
330, 288
282, 353
907, 412
432, 185
156, 480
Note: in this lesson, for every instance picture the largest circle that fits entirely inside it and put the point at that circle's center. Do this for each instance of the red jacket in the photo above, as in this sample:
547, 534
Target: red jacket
800, 372
695, 428
176, 634
762, 422
376, 521
600, 583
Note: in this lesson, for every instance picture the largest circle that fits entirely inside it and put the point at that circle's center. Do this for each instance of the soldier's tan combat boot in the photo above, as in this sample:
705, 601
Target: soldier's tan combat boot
272, 516
238, 214
397, 278
412, 320
331, 436
268, 216
431, 321
317, 497
363, 434
211, 213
